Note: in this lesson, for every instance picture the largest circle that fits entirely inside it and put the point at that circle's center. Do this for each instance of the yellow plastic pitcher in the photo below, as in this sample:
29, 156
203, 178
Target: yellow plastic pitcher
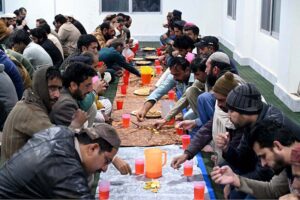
154, 164
146, 74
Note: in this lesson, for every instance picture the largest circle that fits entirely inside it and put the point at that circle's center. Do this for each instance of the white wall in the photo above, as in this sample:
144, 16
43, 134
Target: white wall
144, 26
275, 59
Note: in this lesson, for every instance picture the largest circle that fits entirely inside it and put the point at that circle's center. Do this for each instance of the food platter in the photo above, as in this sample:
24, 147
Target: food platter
137, 59
142, 92
152, 114
149, 49
151, 57
143, 62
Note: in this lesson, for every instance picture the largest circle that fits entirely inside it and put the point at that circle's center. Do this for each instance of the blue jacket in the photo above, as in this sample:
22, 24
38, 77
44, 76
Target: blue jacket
13, 73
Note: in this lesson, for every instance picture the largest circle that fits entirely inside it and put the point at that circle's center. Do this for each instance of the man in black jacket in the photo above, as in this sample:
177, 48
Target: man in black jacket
56, 163
245, 110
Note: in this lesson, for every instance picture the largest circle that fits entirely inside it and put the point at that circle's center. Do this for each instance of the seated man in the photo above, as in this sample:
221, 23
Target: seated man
114, 59
189, 98
56, 163
180, 77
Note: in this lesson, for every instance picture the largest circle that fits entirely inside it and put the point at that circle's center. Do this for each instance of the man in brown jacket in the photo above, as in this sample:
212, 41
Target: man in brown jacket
104, 34
30, 115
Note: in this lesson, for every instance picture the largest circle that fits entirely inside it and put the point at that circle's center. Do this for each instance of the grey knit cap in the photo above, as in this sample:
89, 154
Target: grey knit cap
245, 99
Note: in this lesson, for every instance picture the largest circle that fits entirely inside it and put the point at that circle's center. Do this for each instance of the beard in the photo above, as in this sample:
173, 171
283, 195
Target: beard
107, 37
78, 95
211, 80
279, 165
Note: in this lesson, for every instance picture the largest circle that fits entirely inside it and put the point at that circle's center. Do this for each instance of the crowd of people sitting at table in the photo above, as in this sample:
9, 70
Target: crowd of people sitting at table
56, 121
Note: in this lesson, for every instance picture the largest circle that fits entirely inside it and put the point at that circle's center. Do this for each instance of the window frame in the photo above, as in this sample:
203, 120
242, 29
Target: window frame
271, 20
3, 7
232, 15
130, 11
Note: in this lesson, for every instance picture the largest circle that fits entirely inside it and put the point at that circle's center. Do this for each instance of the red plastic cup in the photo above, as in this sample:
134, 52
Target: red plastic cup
123, 89
119, 103
139, 166
171, 95
126, 79
104, 187
188, 168
171, 122
186, 140
126, 73
158, 51
179, 131
126, 120
158, 69
156, 63
199, 188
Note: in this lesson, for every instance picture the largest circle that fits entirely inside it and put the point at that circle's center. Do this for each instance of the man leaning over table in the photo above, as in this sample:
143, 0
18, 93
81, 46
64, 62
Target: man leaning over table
56, 163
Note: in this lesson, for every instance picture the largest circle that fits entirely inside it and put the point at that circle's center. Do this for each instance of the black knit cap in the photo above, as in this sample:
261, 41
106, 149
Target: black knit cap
245, 99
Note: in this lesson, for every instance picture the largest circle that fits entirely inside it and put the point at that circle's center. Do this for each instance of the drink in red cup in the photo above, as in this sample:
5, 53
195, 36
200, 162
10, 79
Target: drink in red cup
158, 51
104, 187
186, 140
119, 103
171, 122
158, 69
156, 63
179, 131
123, 89
126, 120
199, 188
171, 95
139, 166
188, 168
125, 79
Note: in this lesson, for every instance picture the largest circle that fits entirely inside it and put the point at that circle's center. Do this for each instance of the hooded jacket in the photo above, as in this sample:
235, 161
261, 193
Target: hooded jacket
47, 166
29, 116
69, 36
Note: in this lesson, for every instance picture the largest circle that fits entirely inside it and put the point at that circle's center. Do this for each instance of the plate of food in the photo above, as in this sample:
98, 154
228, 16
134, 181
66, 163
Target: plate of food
151, 57
152, 114
142, 92
149, 49
137, 59
143, 62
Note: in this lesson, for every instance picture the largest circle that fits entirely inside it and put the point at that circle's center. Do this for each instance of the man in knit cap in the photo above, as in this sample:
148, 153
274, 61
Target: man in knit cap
204, 136
245, 109
278, 148
216, 66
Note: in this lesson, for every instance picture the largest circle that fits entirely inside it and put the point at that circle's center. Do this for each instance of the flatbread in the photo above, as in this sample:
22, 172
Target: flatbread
142, 92
149, 49
143, 62
151, 57
152, 114
138, 59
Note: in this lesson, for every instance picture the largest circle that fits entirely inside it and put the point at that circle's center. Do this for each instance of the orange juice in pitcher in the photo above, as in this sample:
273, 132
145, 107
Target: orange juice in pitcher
154, 162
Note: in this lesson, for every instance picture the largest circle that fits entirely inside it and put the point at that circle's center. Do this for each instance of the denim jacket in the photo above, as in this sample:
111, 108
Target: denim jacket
167, 85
